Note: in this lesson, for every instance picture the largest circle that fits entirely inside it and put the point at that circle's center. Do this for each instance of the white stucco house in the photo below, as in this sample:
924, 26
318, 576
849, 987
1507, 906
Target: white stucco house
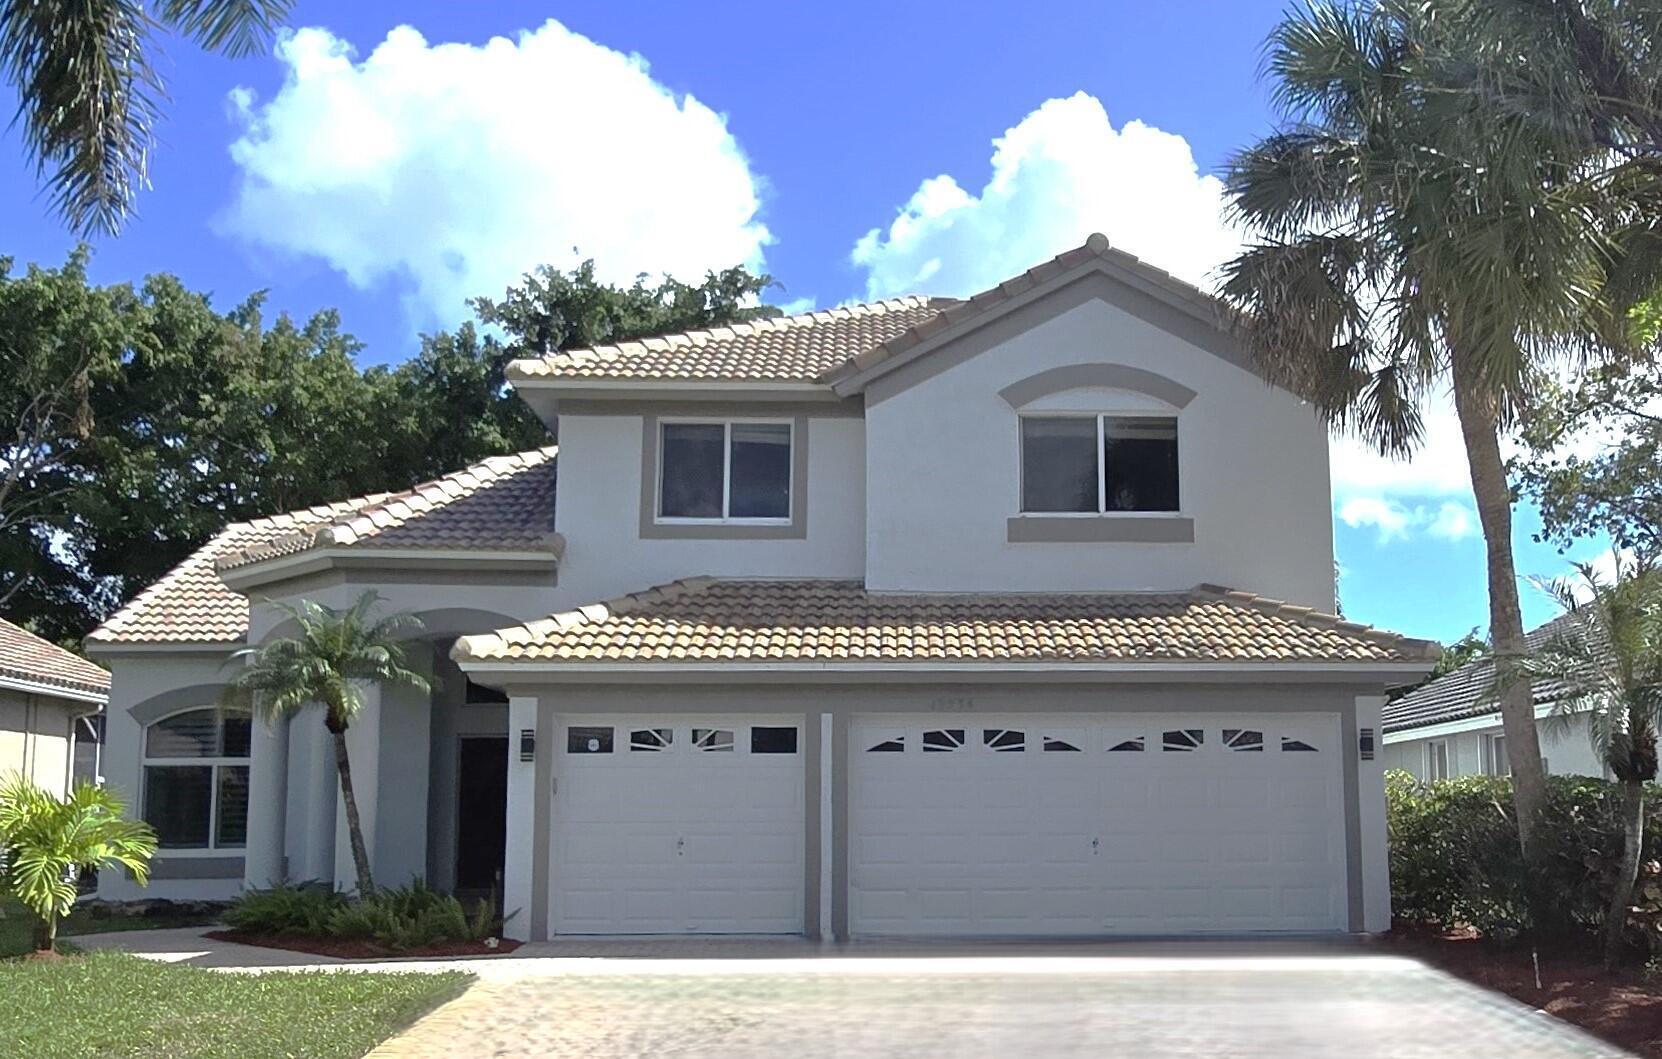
50, 711
894, 619
1450, 727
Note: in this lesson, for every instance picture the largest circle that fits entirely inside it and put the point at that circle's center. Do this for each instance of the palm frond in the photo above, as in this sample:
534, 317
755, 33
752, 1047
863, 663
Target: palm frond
235, 27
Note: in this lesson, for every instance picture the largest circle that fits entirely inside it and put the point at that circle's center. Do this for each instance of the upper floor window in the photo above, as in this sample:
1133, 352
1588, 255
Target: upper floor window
736, 470
196, 779
1076, 464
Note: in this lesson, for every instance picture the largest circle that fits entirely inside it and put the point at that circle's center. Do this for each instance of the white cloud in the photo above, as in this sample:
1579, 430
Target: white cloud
450, 169
1061, 173
1449, 521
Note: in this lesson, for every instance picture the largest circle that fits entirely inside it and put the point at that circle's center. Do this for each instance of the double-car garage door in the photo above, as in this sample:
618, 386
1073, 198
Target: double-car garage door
962, 825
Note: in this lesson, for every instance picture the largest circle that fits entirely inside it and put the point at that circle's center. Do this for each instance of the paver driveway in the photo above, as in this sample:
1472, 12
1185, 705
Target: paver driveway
1149, 1001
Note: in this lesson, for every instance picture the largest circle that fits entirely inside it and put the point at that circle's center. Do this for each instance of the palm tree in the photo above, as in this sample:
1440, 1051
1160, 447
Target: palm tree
1412, 235
1605, 662
89, 96
45, 843
329, 660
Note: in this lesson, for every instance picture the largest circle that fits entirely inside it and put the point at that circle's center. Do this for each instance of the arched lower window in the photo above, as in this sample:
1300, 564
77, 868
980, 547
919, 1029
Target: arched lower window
196, 779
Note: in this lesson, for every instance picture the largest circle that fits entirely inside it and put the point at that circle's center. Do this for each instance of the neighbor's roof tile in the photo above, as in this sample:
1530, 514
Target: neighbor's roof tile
25, 656
1468, 691
705, 620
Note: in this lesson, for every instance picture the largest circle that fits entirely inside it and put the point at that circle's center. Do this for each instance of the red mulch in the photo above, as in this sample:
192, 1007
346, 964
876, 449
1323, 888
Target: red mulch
1622, 1007
363, 949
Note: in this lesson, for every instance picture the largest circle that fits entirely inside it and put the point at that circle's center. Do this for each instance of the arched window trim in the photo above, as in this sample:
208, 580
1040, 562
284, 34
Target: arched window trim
216, 762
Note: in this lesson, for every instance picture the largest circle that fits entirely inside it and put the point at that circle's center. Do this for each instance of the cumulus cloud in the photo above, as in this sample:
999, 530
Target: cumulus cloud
1395, 520
450, 169
1059, 174
1064, 171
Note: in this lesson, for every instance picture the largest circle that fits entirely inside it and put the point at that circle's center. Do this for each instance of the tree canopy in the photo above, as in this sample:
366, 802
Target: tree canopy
136, 421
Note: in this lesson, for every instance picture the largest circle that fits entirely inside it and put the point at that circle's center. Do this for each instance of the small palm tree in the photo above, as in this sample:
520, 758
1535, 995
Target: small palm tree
1606, 662
46, 842
89, 95
328, 662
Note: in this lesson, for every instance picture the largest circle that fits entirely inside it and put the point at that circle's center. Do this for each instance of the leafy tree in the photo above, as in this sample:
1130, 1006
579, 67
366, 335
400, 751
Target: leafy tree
1607, 658
1593, 462
89, 94
45, 843
1415, 230
329, 660
135, 423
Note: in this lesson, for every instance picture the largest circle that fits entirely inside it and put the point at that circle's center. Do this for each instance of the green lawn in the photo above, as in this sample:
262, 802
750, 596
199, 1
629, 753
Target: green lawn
110, 1004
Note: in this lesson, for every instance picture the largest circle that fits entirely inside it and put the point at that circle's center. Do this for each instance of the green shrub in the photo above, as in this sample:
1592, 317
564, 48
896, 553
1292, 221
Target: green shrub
290, 908
406, 917
1455, 856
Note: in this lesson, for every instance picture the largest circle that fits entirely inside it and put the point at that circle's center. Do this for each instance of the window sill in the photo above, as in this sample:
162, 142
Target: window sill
724, 529
1095, 529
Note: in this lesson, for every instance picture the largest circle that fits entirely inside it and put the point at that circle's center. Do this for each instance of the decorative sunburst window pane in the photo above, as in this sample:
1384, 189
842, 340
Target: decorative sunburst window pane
1054, 744
1004, 740
1127, 746
896, 745
1182, 740
1243, 739
713, 739
943, 740
651, 740
1296, 746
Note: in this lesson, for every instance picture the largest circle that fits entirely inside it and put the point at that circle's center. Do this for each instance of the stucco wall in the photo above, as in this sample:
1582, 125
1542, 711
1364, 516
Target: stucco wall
35, 737
942, 468
1568, 750
599, 513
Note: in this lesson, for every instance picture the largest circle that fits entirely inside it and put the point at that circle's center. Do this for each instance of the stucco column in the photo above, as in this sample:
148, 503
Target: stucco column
517, 868
314, 790
1370, 791
268, 775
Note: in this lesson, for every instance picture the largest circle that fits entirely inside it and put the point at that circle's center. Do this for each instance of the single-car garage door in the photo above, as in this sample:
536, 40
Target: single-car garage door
1096, 824
677, 824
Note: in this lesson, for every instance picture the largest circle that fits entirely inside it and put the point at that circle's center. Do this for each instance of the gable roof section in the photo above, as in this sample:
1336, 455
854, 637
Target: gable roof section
502, 502
703, 620
796, 349
27, 658
846, 347
1464, 693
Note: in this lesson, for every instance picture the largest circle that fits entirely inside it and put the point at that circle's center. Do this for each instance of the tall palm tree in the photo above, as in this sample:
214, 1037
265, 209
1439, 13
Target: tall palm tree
333, 655
89, 95
1411, 235
1605, 662
45, 841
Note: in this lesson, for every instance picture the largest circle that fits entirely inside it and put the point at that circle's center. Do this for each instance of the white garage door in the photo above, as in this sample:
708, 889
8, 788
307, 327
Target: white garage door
677, 824
1096, 825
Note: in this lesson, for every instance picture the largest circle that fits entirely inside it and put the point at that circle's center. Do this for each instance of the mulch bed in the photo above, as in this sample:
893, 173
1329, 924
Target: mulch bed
363, 949
1621, 1007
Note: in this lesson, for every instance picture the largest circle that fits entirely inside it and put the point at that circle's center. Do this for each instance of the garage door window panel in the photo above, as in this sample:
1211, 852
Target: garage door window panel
944, 740
1004, 740
1247, 740
772, 739
589, 740
651, 740
1182, 740
713, 740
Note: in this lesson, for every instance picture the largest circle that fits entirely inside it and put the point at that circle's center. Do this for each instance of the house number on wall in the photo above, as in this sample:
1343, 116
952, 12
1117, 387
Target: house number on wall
952, 704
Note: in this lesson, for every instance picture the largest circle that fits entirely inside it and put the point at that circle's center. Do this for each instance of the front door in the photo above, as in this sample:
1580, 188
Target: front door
481, 812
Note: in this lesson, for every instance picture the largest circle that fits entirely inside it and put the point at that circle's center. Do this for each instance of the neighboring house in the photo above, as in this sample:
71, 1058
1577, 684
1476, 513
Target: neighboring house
898, 618
50, 700
1451, 726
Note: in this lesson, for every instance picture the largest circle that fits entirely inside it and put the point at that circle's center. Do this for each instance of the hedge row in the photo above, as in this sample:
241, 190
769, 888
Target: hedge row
1455, 857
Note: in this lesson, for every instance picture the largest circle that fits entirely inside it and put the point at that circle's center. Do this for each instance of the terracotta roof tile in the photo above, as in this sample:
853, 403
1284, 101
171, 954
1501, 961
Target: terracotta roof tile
782, 349
25, 656
706, 620
505, 502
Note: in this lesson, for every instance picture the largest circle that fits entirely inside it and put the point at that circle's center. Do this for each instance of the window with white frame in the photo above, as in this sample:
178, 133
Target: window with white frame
724, 471
1495, 761
1436, 760
1098, 464
196, 779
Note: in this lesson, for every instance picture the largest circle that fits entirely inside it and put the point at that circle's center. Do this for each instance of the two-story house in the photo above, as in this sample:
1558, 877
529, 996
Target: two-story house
894, 619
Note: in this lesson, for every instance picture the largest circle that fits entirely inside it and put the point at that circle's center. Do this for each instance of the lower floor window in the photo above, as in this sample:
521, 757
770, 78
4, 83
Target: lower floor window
196, 779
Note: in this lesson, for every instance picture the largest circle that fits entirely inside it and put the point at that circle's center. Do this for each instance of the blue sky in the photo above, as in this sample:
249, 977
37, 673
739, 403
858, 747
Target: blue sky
851, 150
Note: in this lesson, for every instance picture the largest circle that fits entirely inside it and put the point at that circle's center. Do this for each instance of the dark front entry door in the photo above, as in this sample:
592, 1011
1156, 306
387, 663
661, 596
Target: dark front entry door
481, 812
